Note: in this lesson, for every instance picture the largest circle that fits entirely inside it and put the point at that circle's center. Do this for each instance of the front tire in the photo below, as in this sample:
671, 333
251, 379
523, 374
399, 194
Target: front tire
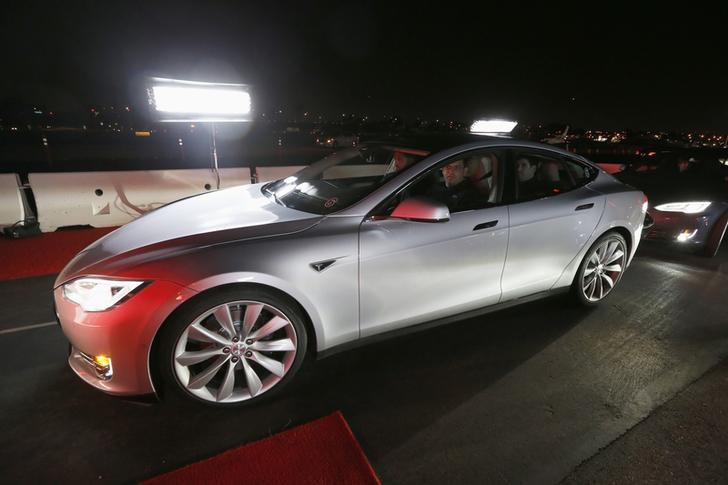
715, 239
234, 347
600, 270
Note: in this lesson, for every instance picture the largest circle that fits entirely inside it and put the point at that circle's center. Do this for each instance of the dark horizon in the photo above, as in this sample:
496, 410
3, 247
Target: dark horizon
659, 70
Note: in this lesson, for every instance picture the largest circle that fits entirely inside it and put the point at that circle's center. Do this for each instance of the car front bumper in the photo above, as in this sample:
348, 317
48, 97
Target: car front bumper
688, 230
110, 350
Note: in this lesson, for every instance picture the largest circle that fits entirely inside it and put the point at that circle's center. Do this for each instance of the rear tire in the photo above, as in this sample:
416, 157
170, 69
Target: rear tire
601, 269
233, 347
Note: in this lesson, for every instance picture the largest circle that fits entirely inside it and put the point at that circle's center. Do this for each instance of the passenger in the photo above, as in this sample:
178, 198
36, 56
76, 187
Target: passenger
459, 193
551, 172
529, 187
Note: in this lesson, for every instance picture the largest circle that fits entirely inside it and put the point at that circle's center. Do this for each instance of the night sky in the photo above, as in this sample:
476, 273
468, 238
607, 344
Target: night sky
598, 66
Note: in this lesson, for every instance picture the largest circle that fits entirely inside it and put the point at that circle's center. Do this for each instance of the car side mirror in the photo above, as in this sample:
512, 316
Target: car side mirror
421, 209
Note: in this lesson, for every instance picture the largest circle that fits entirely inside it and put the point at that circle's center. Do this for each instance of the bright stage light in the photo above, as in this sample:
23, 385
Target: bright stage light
492, 127
191, 101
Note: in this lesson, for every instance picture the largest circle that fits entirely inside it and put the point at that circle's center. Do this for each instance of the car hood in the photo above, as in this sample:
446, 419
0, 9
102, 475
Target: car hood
208, 219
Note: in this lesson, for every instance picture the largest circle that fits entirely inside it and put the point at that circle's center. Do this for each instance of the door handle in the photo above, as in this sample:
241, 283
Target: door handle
485, 225
585, 206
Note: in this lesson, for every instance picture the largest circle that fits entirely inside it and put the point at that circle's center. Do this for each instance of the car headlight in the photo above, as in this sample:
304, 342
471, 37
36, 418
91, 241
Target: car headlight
98, 294
686, 207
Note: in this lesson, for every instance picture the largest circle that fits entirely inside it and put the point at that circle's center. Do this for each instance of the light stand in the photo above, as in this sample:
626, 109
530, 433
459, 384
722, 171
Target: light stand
216, 168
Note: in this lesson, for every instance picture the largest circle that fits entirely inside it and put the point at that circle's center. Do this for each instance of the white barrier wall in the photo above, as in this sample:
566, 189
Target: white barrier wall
230, 177
11, 200
103, 199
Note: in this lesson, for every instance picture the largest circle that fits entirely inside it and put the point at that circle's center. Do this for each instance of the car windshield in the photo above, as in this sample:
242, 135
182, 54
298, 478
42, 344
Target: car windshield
342, 179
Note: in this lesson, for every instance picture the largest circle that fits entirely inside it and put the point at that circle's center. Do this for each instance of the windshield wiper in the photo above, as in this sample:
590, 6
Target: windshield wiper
267, 189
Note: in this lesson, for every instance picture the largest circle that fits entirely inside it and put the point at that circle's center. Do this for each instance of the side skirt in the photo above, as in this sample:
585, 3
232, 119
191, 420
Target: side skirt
436, 323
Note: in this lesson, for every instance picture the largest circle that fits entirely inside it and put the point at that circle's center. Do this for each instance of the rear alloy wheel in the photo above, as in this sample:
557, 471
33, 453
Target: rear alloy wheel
234, 347
601, 269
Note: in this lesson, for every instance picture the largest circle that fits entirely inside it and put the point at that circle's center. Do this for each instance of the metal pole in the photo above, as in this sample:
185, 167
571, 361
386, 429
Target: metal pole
215, 169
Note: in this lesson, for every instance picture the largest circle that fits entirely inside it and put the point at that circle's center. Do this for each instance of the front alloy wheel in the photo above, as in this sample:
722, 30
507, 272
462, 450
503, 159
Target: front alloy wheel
234, 351
601, 269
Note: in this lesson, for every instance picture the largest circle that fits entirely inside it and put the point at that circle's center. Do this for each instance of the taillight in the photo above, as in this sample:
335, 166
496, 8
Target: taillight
645, 204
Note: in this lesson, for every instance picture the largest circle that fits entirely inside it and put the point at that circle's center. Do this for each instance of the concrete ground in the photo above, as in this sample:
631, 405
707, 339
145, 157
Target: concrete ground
540, 393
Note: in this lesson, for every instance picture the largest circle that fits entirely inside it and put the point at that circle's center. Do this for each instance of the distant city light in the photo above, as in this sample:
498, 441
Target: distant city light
176, 100
492, 127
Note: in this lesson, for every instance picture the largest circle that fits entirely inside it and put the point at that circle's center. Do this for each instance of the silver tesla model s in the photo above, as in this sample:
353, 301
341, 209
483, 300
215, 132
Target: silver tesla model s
219, 297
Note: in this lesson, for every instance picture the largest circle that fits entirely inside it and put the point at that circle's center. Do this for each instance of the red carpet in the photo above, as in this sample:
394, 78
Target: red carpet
44, 254
321, 452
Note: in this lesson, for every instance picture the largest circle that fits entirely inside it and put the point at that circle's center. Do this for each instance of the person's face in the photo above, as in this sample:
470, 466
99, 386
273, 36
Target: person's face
526, 171
454, 173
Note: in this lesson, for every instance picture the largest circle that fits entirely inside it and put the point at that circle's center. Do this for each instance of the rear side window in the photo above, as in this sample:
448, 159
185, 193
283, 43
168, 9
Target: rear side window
542, 174
581, 174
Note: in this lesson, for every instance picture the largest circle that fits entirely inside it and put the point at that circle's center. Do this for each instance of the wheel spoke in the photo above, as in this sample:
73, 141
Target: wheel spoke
225, 319
195, 357
283, 345
201, 379
254, 384
272, 365
589, 270
615, 268
588, 279
609, 281
615, 256
600, 287
228, 383
252, 311
273, 324
200, 334
611, 246
590, 285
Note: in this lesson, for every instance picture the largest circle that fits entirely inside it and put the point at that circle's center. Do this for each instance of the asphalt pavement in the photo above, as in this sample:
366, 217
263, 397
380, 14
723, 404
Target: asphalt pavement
540, 393
683, 441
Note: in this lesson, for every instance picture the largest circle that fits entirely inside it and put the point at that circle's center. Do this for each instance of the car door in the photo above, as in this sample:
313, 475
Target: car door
552, 216
412, 272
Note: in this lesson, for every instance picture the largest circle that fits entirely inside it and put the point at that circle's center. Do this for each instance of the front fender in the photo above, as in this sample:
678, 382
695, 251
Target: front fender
323, 338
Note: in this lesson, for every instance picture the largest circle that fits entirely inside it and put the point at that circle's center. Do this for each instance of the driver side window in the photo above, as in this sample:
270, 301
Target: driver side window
466, 182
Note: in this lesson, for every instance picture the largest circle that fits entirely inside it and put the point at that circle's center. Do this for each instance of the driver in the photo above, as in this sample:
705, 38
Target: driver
459, 193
